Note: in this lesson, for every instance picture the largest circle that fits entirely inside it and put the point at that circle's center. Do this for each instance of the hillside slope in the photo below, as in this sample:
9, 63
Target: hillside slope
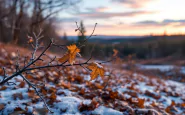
68, 90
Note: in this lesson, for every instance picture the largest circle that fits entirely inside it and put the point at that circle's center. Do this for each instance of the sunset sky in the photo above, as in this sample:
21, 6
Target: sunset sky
125, 17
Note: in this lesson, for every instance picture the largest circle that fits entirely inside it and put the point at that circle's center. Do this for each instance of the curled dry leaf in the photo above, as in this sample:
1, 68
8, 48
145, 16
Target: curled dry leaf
141, 103
31, 93
1, 71
18, 111
171, 107
40, 111
3, 88
64, 58
113, 95
115, 52
153, 104
17, 96
53, 97
30, 39
22, 84
96, 70
66, 85
183, 104
2, 106
70, 56
98, 86
93, 105
173, 103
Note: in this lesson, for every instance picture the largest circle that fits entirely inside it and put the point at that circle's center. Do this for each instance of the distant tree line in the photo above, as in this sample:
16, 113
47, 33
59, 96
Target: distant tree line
152, 47
155, 49
147, 50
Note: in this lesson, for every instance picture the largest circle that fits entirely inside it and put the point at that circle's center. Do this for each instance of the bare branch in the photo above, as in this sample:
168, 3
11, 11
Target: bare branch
31, 85
91, 54
109, 76
85, 68
17, 61
31, 65
86, 39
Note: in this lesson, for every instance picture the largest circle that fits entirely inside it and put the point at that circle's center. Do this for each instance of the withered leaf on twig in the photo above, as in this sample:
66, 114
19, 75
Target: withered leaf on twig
70, 56
96, 70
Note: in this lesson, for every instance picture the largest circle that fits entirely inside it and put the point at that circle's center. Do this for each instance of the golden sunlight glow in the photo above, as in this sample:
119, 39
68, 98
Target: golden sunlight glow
114, 19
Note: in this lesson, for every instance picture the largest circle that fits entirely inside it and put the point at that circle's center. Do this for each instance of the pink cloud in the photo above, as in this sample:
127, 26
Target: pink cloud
101, 15
133, 3
98, 9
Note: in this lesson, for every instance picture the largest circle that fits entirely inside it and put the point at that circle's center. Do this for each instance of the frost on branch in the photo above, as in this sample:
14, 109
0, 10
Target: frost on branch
34, 63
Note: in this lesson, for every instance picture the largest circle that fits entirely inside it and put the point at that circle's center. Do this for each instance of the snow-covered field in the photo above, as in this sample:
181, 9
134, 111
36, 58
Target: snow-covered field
15, 100
69, 91
157, 67
162, 68
159, 97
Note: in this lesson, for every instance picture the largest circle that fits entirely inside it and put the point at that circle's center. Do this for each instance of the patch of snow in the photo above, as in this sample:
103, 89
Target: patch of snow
162, 68
143, 87
70, 106
106, 111
67, 104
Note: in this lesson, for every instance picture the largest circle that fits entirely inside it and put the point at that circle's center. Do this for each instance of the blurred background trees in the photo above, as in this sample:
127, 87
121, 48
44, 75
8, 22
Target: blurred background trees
21, 17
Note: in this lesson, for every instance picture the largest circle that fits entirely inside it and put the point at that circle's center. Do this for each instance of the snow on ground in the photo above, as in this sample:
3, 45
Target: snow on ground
162, 68
163, 93
13, 98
